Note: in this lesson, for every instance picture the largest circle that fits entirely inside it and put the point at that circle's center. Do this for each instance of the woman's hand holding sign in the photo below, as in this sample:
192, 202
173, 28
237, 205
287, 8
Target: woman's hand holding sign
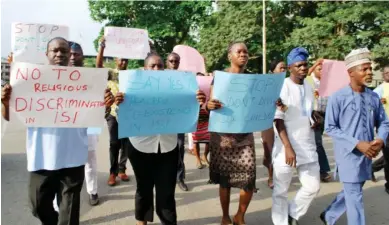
200, 95
213, 104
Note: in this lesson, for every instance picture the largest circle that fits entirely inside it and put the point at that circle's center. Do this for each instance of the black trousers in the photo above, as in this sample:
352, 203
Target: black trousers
383, 163
118, 165
157, 170
67, 184
181, 154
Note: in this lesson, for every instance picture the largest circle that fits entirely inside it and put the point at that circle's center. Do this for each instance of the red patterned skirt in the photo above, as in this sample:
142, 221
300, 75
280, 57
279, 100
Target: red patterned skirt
202, 134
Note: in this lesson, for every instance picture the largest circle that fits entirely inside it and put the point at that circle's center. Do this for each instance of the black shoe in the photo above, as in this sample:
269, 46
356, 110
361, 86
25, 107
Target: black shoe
94, 200
387, 190
323, 218
292, 221
182, 185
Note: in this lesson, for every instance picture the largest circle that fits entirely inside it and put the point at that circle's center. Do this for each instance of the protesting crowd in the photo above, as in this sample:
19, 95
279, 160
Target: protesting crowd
59, 159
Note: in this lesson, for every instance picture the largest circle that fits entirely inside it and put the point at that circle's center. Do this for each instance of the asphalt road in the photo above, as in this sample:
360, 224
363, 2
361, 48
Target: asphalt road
199, 206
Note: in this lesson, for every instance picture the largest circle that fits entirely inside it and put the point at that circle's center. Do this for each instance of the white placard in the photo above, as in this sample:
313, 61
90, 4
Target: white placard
58, 96
128, 43
29, 40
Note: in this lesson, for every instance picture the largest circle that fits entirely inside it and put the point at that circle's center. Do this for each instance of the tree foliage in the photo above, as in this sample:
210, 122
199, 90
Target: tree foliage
242, 21
169, 23
342, 26
328, 29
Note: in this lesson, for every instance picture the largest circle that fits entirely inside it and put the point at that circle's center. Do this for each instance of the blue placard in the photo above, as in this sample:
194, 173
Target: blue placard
157, 102
248, 102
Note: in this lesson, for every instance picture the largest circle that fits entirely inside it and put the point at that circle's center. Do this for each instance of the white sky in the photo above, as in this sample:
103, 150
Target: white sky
72, 13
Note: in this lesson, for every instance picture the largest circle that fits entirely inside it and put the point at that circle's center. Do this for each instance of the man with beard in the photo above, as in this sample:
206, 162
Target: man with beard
352, 114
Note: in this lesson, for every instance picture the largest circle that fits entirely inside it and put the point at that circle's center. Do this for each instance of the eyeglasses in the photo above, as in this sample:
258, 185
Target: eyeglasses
174, 61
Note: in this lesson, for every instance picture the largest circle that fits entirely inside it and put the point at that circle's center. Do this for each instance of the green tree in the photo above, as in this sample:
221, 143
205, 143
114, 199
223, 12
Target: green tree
342, 26
169, 23
242, 21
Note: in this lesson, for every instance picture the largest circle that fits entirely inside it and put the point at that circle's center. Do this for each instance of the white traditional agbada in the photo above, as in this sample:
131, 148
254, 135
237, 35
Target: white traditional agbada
297, 119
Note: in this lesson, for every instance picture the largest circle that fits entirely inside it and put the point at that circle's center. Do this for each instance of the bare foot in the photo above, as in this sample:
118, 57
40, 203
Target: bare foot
141, 222
226, 221
239, 220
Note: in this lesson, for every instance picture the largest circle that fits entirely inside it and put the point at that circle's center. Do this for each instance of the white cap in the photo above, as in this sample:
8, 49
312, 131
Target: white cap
357, 57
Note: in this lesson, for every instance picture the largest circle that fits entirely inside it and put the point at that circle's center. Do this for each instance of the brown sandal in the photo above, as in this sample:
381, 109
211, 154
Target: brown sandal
199, 166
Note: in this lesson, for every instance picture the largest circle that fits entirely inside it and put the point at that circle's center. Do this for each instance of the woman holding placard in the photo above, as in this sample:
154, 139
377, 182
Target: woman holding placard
232, 161
154, 167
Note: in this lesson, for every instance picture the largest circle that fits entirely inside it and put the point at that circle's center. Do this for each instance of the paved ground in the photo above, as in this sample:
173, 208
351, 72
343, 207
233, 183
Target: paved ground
199, 206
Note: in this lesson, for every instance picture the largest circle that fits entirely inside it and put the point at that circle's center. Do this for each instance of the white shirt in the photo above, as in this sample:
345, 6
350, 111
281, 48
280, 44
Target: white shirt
149, 144
297, 119
56, 148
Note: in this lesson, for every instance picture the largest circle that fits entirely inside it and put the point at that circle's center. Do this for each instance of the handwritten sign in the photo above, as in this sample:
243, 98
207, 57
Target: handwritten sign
128, 43
157, 102
190, 59
248, 102
334, 77
204, 83
29, 40
58, 96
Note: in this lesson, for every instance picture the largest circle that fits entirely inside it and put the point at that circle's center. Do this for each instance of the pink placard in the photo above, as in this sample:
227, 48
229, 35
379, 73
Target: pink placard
204, 83
191, 59
334, 76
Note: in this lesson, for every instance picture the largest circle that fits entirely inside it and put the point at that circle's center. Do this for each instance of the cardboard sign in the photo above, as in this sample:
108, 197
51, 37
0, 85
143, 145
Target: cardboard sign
204, 83
157, 102
127, 43
190, 59
249, 102
334, 76
29, 40
58, 96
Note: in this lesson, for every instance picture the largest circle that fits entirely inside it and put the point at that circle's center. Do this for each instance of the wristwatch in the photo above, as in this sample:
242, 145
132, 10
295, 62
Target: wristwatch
102, 44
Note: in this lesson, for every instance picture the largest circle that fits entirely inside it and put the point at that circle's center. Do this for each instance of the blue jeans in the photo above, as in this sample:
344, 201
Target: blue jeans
323, 160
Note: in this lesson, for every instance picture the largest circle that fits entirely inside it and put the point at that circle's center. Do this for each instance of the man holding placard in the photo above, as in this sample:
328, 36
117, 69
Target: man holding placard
383, 162
294, 145
55, 156
118, 165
